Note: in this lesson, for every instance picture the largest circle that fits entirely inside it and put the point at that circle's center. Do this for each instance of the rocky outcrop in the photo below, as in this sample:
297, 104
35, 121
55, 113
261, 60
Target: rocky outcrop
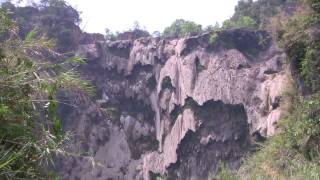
175, 108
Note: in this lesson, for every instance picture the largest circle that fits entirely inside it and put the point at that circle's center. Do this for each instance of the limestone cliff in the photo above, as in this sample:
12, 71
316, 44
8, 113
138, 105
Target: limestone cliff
174, 108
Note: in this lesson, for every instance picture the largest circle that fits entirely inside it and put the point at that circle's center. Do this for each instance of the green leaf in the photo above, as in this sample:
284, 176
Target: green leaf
4, 109
31, 35
75, 59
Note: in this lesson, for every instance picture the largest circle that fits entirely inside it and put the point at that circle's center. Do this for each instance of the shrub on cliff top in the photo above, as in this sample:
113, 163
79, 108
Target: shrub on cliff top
182, 28
242, 22
260, 11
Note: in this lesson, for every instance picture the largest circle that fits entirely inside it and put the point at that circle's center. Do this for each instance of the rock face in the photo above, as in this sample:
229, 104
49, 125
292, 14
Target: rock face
174, 108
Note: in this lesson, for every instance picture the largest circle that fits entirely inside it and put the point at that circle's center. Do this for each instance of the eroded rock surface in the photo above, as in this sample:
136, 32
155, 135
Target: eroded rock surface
175, 108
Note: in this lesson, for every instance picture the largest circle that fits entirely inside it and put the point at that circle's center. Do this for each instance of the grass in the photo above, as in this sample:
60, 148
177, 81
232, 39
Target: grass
294, 153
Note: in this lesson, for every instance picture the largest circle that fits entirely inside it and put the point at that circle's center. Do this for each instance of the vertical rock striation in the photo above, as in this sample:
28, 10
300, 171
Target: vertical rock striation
175, 108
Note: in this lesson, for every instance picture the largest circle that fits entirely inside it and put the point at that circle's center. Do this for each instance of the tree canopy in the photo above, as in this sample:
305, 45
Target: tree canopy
181, 28
53, 18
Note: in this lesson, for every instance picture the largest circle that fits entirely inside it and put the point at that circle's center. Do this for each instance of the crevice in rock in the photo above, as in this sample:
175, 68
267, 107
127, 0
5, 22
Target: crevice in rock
135, 108
257, 137
191, 43
276, 103
158, 60
144, 115
120, 48
166, 83
243, 66
270, 71
154, 176
248, 42
138, 69
175, 113
199, 66
203, 134
223, 135
152, 82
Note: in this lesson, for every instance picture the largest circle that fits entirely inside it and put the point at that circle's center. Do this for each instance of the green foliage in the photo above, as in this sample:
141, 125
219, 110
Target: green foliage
182, 28
109, 35
213, 38
59, 21
246, 21
228, 24
111, 111
157, 177
305, 65
5, 23
52, 18
224, 174
135, 32
242, 22
30, 36
211, 28
259, 11
314, 4
294, 153
30, 131
301, 41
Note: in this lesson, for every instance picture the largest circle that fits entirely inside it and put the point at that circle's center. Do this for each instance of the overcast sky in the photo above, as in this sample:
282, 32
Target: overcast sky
154, 15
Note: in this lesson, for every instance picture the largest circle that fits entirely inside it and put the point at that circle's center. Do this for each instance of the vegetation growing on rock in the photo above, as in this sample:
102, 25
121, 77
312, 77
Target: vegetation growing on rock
294, 152
53, 18
242, 22
31, 132
181, 28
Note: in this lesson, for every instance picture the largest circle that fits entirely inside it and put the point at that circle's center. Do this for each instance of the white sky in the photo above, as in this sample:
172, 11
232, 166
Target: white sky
154, 15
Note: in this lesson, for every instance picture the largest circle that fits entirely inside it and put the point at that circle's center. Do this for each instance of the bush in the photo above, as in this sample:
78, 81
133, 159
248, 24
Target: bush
260, 11
30, 129
314, 4
53, 18
294, 153
182, 28
300, 38
213, 38
224, 174
59, 21
242, 22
